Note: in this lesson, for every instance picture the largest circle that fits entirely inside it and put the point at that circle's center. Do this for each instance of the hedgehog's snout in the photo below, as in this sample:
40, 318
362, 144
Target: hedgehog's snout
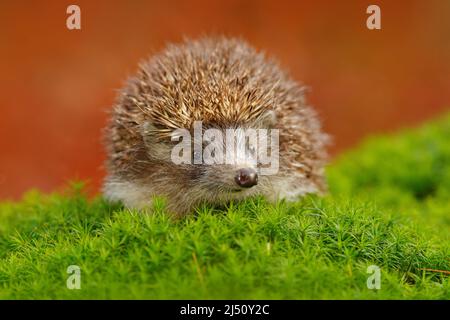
246, 178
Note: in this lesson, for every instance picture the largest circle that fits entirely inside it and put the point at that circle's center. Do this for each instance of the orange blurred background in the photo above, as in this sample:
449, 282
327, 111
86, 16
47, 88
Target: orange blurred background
57, 84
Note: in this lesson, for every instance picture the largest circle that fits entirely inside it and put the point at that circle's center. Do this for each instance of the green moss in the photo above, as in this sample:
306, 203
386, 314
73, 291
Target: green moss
388, 206
409, 173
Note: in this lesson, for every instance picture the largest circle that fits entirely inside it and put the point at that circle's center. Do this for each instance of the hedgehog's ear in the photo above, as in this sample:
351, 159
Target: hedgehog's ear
156, 147
148, 132
268, 119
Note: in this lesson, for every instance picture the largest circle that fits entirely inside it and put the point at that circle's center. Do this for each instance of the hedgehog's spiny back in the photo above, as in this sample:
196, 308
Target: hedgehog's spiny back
213, 80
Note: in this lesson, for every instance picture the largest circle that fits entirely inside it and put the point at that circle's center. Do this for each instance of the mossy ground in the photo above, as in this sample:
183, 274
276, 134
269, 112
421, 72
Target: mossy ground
388, 206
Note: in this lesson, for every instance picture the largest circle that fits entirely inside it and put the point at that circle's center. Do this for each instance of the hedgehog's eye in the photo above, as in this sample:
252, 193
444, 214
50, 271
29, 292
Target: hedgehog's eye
196, 157
250, 148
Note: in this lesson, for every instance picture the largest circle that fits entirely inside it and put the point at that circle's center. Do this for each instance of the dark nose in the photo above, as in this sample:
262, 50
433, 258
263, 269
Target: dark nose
246, 178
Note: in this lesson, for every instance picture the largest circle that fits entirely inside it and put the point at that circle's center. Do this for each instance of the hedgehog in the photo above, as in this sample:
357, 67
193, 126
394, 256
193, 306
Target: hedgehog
223, 83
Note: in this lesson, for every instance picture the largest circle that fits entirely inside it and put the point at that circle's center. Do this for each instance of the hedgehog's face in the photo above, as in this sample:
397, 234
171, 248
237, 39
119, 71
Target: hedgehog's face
223, 167
226, 166
221, 163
